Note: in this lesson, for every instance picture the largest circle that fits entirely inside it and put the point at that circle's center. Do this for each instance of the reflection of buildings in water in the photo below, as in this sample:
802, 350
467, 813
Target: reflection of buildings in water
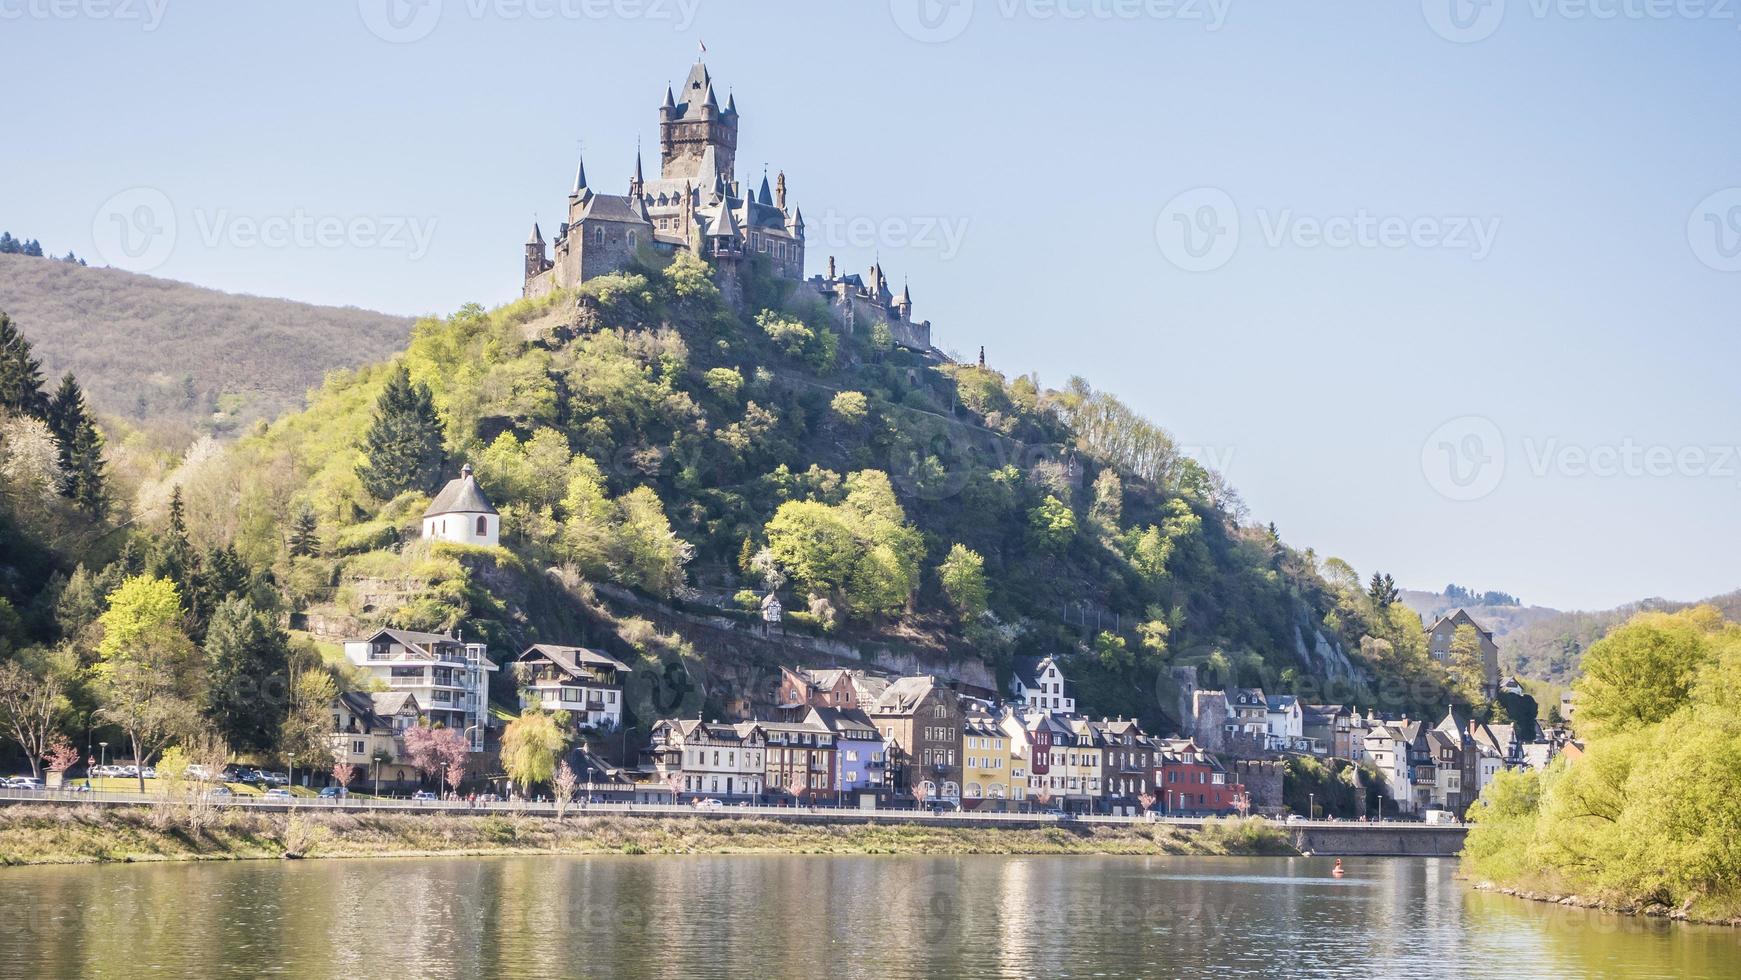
1017, 928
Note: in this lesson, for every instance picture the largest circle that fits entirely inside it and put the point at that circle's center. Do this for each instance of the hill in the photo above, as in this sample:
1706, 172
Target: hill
1501, 617
662, 459
1548, 648
156, 349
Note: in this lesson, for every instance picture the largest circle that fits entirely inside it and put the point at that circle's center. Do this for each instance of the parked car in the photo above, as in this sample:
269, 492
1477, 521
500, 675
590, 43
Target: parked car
1295, 818
277, 794
149, 772
220, 793
23, 782
333, 793
277, 778
423, 796
708, 803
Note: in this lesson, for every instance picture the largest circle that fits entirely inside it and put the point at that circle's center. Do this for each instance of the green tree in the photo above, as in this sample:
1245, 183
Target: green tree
141, 605
404, 445
531, 745
304, 534
1383, 591
81, 448
20, 373
1643, 671
962, 574
1052, 524
151, 686
248, 660
305, 737
1467, 666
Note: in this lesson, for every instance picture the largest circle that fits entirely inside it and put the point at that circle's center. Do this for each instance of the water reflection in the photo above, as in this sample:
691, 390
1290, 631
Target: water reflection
703, 917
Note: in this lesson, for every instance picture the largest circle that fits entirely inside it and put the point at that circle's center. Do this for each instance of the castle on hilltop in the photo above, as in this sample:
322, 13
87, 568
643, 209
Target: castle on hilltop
697, 203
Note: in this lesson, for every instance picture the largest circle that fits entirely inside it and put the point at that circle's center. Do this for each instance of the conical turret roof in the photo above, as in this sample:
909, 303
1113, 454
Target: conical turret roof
460, 496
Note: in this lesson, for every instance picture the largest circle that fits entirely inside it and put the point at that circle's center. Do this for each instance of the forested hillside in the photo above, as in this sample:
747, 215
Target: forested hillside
661, 461
1549, 648
166, 351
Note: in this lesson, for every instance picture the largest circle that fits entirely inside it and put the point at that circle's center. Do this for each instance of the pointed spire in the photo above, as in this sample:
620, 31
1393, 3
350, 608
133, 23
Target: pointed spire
765, 195
712, 101
731, 104
537, 236
670, 99
798, 220
579, 179
906, 298
638, 161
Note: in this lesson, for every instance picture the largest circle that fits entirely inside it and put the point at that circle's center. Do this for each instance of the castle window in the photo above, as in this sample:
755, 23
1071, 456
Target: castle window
483, 526
598, 235
631, 239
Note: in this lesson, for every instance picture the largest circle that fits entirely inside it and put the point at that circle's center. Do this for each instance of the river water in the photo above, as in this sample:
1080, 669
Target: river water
897, 917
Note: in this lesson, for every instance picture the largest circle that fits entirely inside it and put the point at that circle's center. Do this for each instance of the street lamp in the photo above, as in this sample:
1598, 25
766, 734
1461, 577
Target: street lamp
1311, 806
105, 748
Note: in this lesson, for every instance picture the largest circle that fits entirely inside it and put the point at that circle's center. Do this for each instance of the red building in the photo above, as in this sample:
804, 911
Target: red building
1191, 782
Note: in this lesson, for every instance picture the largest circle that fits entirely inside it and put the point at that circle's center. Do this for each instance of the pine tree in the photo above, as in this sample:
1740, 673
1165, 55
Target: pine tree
404, 445
8, 244
81, 448
20, 373
304, 534
248, 657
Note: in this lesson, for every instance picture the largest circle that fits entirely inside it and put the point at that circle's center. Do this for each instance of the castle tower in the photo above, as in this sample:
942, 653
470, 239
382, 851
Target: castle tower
691, 122
637, 185
780, 191
536, 259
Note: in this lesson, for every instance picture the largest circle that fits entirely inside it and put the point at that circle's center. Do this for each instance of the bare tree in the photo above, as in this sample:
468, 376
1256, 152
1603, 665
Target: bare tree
564, 784
29, 705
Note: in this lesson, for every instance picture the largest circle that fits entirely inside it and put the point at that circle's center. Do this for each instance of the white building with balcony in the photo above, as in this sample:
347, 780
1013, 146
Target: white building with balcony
588, 684
450, 679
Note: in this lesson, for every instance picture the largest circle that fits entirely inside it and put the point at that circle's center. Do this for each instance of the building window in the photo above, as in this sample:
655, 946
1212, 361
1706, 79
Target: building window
483, 526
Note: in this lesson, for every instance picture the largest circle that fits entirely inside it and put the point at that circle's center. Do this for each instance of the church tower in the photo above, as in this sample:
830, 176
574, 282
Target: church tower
690, 123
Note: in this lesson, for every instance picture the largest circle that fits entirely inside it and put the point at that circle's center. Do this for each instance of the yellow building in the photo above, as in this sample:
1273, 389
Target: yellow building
989, 770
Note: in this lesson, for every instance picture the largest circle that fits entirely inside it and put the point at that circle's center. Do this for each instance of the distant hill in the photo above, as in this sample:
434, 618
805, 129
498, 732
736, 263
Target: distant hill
1548, 648
1501, 618
168, 351
1539, 643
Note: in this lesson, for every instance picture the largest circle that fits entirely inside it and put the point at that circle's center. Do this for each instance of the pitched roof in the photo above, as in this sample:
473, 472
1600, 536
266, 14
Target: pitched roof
460, 496
572, 659
619, 208
904, 695
1460, 616
850, 724
390, 703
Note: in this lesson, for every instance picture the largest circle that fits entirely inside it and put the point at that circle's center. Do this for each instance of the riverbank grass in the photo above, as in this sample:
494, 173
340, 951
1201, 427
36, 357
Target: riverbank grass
91, 835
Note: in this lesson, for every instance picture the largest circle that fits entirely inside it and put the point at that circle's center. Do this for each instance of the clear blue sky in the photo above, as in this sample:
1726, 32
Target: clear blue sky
1033, 166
